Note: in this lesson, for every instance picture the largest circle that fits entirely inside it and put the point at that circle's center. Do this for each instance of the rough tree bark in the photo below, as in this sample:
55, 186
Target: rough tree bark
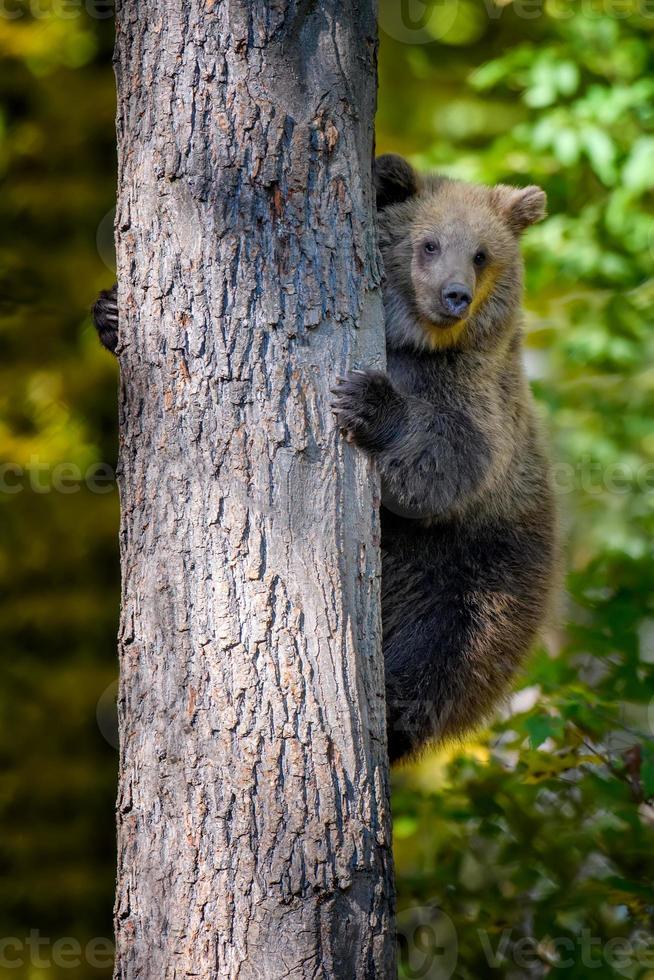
253, 816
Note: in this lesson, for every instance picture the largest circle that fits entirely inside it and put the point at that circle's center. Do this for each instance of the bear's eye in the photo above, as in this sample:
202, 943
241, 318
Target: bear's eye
430, 246
480, 258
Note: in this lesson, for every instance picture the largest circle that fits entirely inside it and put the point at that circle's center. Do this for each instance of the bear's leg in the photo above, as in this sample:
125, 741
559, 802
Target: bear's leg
425, 675
447, 668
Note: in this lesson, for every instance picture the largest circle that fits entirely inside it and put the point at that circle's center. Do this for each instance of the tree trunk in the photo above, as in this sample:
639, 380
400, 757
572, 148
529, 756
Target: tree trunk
253, 816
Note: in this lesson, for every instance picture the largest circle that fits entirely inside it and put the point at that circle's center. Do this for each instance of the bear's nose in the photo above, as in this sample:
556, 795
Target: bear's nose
456, 298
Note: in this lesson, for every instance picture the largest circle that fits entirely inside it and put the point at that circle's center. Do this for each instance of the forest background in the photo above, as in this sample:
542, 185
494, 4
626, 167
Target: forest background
528, 852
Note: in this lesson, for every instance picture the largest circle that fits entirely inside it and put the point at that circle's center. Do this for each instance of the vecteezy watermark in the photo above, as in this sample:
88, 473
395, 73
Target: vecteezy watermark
56, 9
585, 476
565, 9
66, 478
428, 948
589, 476
408, 21
620, 954
429, 21
41, 953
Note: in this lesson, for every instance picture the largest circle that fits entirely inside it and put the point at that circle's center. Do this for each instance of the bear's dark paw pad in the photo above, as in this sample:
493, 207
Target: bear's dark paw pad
360, 398
105, 318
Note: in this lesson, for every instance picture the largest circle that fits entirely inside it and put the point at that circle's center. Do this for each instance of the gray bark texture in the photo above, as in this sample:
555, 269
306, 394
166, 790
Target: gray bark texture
253, 816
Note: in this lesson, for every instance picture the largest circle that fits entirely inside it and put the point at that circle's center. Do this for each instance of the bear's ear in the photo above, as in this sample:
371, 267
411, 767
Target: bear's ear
395, 180
519, 206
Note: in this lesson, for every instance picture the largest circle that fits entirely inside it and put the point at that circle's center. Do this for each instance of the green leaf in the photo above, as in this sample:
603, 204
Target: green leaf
647, 769
600, 150
566, 147
541, 727
638, 171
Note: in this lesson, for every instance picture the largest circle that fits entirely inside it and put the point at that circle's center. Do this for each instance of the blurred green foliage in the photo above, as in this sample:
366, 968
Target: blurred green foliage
528, 852
59, 571
537, 840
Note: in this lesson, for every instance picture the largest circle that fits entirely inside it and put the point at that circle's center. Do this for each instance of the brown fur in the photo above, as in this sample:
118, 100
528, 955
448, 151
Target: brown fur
468, 523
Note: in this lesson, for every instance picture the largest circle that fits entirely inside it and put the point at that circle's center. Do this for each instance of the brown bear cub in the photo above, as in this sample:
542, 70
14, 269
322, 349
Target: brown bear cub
468, 516
468, 519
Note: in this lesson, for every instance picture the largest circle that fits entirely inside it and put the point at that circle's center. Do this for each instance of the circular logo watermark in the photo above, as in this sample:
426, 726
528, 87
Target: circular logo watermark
106, 714
417, 21
428, 487
427, 944
105, 241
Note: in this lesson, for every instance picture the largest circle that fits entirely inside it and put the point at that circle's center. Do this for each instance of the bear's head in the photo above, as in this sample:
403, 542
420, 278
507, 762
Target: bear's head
452, 256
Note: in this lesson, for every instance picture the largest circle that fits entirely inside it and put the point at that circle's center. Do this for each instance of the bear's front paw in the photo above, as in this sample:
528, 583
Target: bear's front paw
105, 317
365, 405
